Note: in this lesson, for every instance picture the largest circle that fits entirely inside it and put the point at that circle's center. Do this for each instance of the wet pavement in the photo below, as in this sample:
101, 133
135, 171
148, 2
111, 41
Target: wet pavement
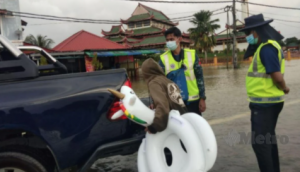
228, 113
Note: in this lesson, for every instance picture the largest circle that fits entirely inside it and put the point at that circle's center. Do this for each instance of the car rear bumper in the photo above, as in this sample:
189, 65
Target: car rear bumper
123, 147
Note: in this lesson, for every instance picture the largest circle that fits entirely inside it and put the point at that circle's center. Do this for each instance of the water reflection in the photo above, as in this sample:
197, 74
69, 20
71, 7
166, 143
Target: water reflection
215, 78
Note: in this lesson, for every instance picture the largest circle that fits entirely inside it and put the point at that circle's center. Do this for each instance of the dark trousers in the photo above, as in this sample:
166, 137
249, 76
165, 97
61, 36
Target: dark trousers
193, 107
264, 143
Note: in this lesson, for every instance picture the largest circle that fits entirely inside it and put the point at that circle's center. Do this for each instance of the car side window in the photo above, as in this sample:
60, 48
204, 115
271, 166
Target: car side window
6, 55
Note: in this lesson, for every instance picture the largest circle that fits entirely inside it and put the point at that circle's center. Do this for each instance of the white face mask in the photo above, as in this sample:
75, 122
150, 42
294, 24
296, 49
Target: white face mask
171, 45
251, 40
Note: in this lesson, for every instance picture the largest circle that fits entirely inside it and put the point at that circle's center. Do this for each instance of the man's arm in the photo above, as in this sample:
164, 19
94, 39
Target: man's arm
269, 58
162, 108
199, 77
278, 80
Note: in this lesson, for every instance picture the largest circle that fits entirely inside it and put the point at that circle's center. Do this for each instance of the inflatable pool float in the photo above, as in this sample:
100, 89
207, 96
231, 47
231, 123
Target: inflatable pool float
188, 137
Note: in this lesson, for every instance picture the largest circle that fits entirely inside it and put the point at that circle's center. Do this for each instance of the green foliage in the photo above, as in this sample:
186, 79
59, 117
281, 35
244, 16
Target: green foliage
39, 40
203, 32
43, 61
228, 48
292, 40
96, 64
155, 57
281, 43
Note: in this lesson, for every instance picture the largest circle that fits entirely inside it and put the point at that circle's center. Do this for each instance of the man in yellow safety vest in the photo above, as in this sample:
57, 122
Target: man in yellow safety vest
190, 80
265, 88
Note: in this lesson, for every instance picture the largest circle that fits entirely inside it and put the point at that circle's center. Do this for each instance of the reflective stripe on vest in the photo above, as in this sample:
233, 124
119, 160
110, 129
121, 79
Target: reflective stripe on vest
189, 72
266, 99
191, 65
260, 86
255, 70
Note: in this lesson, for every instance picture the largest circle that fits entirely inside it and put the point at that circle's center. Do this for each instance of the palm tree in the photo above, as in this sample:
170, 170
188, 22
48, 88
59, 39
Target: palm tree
39, 40
203, 33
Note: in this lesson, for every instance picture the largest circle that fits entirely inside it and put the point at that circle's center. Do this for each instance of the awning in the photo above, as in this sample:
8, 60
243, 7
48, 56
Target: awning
70, 57
123, 53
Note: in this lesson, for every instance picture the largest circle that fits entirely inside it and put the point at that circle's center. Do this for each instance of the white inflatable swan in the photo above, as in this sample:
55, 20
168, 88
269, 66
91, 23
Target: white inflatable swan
195, 133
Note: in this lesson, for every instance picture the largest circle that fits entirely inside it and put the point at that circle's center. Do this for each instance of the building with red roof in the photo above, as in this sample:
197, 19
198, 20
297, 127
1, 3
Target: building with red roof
84, 40
146, 27
223, 39
71, 51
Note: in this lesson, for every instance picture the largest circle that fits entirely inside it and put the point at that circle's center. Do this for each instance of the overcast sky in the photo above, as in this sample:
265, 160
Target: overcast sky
117, 9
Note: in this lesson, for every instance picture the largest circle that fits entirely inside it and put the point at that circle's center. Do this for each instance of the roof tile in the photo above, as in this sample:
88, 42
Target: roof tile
147, 30
83, 40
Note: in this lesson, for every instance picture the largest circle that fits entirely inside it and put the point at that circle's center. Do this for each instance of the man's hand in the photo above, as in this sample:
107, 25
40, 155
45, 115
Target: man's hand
286, 90
151, 106
146, 129
202, 105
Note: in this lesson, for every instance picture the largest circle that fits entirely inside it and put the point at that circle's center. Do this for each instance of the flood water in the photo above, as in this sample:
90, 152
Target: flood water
215, 77
228, 110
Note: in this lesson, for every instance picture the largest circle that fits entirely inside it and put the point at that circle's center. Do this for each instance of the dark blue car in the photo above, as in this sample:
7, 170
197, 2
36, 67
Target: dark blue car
60, 121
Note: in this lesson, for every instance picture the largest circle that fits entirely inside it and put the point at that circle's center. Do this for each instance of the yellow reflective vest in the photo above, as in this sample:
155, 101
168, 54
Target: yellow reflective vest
189, 59
259, 84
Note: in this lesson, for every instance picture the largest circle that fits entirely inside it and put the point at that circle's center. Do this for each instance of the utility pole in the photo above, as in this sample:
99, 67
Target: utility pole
227, 9
234, 55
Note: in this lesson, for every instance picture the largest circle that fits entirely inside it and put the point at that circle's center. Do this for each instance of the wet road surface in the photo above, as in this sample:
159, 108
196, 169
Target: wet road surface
228, 113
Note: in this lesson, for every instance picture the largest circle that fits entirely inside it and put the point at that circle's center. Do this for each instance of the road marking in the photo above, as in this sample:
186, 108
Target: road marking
245, 114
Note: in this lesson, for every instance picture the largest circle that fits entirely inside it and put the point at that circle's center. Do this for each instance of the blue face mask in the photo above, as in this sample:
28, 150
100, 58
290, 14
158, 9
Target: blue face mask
171, 45
251, 40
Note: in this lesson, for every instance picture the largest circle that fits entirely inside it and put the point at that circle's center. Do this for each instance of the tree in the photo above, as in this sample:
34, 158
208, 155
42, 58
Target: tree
96, 64
291, 40
281, 43
43, 61
203, 32
39, 40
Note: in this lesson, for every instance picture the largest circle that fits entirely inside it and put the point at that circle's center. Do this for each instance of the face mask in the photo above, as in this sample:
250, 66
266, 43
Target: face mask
251, 40
171, 45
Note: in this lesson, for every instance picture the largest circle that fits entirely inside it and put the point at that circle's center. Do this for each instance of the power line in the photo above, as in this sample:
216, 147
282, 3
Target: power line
292, 33
46, 23
65, 18
77, 21
203, 2
92, 21
288, 25
182, 2
272, 6
276, 14
273, 18
194, 11
191, 17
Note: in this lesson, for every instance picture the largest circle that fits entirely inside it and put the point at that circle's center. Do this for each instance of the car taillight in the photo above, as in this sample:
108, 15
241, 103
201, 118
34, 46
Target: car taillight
116, 106
128, 83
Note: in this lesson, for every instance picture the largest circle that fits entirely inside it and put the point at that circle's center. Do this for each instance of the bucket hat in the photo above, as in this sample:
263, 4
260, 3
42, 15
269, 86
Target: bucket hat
255, 21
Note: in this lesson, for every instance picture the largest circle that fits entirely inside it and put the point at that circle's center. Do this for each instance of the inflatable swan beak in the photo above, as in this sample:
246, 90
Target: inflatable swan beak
117, 93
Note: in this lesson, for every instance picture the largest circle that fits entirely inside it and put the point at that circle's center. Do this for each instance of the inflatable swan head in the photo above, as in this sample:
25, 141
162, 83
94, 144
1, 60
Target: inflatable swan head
132, 107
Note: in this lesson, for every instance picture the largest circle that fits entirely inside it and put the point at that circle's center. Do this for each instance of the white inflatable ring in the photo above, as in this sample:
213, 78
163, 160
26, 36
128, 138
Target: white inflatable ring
206, 136
191, 129
142, 162
178, 127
